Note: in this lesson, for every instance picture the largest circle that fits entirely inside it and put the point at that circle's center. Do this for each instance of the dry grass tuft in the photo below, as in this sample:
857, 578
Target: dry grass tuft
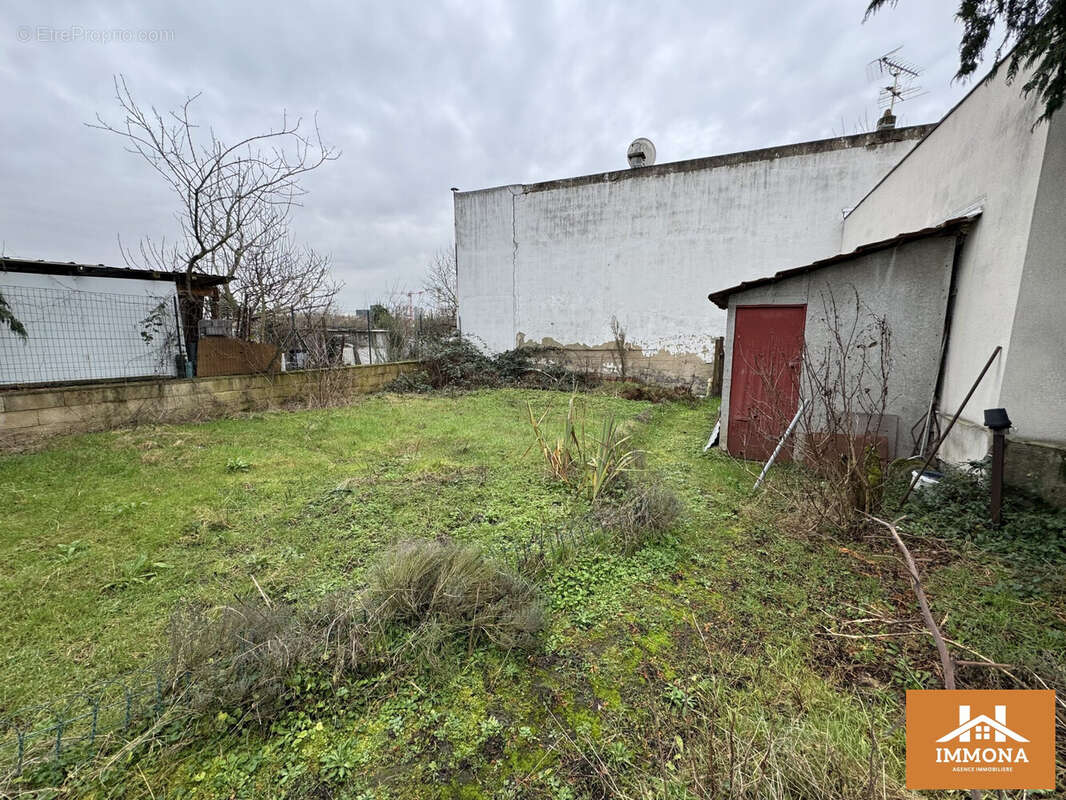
638, 514
420, 597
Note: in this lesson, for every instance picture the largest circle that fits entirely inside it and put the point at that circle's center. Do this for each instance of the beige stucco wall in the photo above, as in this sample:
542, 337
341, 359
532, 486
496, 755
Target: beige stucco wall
30, 415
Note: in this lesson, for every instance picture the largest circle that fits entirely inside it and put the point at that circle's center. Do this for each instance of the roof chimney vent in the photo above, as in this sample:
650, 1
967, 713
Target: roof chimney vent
887, 121
641, 153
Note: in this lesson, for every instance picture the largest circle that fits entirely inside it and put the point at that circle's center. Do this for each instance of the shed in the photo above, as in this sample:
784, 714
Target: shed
91, 322
780, 336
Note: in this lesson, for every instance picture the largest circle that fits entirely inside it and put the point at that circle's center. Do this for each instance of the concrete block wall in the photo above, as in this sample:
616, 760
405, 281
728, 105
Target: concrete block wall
32, 414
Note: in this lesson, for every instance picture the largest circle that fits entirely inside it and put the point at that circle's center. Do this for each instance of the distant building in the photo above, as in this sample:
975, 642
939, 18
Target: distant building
89, 322
553, 263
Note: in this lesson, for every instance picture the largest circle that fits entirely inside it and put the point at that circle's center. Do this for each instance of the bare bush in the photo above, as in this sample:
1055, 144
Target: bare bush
840, 437
640, 512
618, 336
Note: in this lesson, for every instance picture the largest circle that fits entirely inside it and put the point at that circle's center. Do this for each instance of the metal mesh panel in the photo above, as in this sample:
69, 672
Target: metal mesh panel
75, 335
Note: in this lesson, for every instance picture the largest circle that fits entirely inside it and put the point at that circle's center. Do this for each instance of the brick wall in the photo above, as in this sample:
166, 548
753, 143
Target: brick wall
31, 414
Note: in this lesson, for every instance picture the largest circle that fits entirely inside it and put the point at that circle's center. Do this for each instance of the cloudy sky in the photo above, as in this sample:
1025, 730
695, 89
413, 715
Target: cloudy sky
423, 96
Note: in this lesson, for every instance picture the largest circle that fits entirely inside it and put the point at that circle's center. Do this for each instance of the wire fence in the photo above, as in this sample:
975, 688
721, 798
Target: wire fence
83, 723
74, 335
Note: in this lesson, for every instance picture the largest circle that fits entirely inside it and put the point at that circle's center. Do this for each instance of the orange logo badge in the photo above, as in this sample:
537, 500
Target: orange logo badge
980, 739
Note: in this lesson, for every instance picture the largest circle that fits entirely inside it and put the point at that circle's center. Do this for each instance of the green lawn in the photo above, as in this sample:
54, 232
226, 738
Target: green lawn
699, 666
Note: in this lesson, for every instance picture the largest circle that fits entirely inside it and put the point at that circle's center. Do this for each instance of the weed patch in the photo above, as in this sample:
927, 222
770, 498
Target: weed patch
639, 513
420, 597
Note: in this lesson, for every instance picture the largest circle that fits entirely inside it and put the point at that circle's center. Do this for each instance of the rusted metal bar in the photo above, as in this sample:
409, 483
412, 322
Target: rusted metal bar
954, 419
996, 505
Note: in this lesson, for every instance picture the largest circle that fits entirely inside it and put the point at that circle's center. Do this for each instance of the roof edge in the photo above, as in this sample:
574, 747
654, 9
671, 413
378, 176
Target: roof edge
71, 268
872, 138
955, 226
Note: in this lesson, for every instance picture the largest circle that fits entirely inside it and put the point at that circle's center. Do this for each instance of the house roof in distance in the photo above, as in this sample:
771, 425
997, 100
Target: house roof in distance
951, 227
39, 267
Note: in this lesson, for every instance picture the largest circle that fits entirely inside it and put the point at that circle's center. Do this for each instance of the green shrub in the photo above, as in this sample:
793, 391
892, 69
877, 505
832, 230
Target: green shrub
958, 508
589, 464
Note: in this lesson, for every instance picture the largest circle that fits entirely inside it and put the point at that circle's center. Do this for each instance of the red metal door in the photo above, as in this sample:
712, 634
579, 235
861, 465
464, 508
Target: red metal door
764, 377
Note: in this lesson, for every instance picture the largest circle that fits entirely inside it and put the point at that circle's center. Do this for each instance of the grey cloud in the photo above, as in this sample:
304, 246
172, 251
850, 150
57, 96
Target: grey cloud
424, 96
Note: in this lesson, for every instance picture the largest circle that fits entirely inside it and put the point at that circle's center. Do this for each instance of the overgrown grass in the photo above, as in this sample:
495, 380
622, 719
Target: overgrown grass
699, 662
104, 535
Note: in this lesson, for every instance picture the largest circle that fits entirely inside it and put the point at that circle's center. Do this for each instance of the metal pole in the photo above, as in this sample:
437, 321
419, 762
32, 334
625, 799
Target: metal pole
182, 354
998, 447
947, 430
369, 340
780, 444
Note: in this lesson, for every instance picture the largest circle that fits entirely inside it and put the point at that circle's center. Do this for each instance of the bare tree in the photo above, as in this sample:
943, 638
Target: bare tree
442, 283
280, 275
234, 198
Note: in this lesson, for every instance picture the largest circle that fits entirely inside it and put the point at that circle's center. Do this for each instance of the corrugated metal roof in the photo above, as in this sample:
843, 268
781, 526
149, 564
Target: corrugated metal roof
953, 226
41, 267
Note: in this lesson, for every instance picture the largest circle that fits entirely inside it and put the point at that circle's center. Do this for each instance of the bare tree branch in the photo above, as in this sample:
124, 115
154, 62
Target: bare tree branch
923, 603
441, 283
234, 198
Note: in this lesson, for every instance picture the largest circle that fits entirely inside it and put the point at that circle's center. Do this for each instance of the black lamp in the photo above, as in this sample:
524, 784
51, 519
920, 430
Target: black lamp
997, 419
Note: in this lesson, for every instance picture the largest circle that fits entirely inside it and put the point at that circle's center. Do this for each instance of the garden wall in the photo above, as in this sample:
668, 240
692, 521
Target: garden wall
31, 414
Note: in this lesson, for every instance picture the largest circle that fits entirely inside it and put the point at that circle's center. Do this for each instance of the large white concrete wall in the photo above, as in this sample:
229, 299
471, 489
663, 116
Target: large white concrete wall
556, 261
87, 328
985, 155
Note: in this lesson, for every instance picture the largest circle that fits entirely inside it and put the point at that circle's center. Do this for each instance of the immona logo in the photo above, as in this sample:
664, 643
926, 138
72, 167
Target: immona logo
998, 739
982, 730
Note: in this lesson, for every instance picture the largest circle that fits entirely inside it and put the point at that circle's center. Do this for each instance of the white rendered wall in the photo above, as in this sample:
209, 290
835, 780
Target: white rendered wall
1034, 384
556, 261
985, 155
87, 328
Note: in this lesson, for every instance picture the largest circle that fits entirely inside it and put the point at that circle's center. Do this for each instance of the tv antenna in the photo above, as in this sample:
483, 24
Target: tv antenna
903, 75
